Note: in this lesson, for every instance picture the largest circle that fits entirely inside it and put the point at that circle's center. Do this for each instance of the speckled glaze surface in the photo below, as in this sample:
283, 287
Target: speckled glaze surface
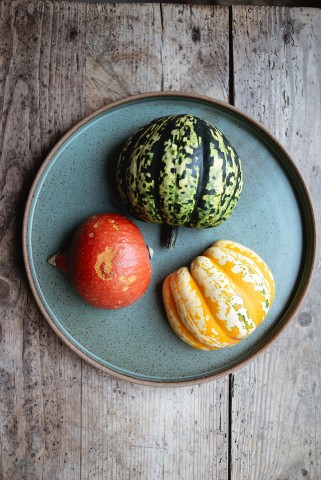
273, 217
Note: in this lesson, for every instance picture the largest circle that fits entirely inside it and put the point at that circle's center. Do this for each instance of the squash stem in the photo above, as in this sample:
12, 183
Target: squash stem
170, 236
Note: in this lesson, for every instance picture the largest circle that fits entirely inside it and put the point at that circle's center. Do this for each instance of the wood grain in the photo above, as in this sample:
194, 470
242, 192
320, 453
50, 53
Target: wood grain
276, 432
130, 431
195, 50
42, 78
138, 432
123, 55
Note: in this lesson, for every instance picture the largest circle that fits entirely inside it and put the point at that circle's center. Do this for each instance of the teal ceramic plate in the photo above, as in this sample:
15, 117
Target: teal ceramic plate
273, 217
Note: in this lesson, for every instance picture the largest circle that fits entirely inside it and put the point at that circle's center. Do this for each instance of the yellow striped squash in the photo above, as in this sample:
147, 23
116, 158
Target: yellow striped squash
224, 295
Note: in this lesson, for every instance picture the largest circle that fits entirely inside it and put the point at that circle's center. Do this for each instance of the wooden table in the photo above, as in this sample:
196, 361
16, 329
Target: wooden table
61, 418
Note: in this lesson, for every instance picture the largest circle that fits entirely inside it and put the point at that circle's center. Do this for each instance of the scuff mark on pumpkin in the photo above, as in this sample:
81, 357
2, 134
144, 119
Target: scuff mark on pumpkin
104, 263
115, 226
127, 281
97, 224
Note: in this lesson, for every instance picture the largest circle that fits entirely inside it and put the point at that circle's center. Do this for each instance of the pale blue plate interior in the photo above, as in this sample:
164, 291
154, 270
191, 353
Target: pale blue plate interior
137, 341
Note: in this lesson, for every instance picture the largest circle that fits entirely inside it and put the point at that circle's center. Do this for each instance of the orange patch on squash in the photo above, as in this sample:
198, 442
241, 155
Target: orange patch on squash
127, 281
104, 263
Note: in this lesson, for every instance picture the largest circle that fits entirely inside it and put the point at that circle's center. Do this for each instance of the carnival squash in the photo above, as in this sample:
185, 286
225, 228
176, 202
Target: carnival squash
179, 170
221, 299
107, 262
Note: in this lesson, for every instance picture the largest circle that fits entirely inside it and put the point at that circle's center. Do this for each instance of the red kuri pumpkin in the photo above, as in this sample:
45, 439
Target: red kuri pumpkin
108, 262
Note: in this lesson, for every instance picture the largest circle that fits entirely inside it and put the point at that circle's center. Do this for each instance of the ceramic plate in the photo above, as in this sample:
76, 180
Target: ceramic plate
273, 217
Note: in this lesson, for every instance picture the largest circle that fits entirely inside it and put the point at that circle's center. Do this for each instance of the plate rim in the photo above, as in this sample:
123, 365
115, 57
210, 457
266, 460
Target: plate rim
291, 309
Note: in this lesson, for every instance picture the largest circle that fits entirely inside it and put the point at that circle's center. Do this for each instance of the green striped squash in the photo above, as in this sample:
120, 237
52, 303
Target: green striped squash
179, 170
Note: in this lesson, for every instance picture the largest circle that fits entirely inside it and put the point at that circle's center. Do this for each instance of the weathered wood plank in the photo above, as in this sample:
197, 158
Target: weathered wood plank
131, 431
138, 432
276, 429
195, 50
123, 52
41, 91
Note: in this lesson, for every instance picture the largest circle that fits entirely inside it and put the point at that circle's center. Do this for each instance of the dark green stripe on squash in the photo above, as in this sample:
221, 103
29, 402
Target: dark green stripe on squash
180, 170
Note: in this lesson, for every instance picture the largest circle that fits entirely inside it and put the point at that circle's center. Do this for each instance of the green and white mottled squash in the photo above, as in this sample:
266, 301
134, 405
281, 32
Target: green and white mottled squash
179, 170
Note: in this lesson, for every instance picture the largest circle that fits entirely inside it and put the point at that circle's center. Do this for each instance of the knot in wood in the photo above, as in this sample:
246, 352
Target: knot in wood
4, 289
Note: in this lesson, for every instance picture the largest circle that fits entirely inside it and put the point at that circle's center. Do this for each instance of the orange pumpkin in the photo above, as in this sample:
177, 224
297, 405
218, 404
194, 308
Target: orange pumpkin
107, 261
221, 299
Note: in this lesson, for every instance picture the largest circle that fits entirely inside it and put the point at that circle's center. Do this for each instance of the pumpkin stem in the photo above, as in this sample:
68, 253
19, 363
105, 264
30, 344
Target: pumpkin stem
170, 236
59, 260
